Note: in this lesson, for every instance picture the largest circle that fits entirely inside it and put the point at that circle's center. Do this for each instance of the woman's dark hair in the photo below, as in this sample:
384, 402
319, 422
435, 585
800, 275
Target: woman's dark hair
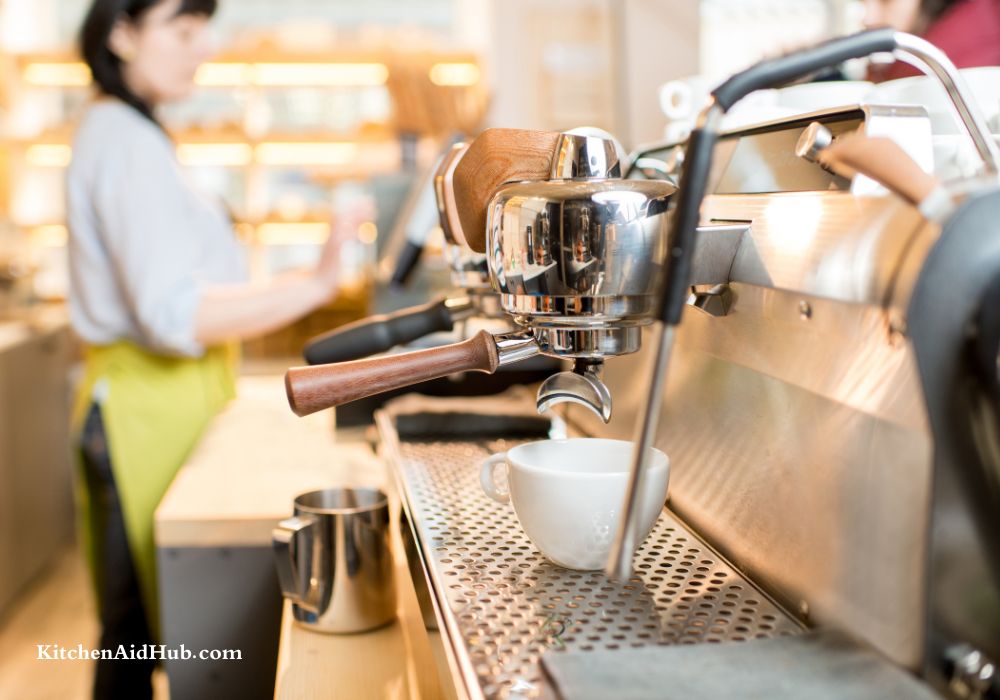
105, 66
933, 9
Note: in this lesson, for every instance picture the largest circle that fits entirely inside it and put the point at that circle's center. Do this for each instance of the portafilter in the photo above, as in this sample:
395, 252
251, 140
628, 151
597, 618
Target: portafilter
575, 258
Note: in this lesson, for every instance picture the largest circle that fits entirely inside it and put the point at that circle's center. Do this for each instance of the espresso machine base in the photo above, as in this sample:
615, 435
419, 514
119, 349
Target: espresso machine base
500, 606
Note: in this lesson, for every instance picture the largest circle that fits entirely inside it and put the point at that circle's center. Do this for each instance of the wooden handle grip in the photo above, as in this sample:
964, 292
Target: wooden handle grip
312, 389
496, 157
881, 159
445, 192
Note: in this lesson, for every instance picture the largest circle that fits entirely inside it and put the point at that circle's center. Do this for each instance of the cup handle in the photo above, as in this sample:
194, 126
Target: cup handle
488, 481
284, 540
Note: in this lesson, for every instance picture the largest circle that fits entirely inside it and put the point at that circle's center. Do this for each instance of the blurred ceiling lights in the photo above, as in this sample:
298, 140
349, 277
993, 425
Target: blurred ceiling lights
455, 74
306, 153
239, 74
74, 74
293, 233
49, 155
215, 154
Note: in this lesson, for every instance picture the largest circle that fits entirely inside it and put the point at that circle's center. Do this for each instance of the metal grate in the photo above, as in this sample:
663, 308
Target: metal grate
511, 606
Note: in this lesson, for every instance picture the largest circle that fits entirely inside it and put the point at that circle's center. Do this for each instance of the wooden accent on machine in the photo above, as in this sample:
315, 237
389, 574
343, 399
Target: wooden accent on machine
881, 159
496, 157
312, 389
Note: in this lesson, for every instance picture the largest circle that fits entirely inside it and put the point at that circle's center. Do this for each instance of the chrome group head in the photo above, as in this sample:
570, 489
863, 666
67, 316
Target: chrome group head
577, 261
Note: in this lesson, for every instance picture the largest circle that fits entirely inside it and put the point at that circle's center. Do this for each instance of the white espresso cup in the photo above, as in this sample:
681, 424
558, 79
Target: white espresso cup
568, 494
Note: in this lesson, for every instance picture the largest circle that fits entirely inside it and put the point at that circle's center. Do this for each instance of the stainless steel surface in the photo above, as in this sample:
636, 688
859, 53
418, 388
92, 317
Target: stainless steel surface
814, 139
578, 238
714, 299
801, 450
795, 436
758, 159
620, 557
594, 344
930, 58
501, 606
334, 560
582, 386
577, 258
583, 154
468, 270
515, 347
828, 244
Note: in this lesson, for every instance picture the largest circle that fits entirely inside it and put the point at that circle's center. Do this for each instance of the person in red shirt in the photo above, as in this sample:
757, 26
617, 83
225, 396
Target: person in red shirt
968, 31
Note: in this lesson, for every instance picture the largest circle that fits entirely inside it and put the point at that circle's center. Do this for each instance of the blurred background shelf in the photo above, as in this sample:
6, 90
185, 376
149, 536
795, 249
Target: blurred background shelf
322, 115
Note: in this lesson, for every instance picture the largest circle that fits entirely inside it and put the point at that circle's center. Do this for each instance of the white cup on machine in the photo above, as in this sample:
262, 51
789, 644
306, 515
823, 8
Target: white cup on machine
568, 494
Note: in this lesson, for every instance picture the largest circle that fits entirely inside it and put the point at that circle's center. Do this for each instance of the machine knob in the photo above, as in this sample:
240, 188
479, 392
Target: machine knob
814, 139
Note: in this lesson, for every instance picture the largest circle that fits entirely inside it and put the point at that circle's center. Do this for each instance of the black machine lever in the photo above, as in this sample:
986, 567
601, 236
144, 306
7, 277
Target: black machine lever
698, 156
377, 334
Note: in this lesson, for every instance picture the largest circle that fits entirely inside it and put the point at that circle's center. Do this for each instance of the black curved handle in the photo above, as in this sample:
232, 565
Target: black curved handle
684, 225
700, 149
794, 66
406, 263
377, 334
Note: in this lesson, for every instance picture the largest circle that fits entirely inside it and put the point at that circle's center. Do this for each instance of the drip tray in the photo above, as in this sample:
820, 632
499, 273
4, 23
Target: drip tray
501, 605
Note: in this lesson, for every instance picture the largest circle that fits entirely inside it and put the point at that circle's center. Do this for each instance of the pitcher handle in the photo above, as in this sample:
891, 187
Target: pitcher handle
284, 540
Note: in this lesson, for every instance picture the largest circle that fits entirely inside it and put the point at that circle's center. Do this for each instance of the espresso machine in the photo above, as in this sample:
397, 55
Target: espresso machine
575, 259
827, 311
473, 305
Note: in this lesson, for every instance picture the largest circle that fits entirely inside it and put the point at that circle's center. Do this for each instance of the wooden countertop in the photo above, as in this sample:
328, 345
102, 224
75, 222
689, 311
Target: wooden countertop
253, 460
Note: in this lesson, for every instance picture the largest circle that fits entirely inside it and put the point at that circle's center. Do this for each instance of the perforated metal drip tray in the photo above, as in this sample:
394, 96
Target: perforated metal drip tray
502, 605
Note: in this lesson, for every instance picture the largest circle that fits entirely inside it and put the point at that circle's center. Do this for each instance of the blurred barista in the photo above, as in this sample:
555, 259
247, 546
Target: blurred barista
159, 294
968, 31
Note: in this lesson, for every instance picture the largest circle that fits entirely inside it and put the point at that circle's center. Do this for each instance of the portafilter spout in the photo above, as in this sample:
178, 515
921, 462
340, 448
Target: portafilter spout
582, 386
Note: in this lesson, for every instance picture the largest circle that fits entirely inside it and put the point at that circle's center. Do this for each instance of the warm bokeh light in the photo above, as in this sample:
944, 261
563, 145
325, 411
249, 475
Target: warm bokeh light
224, 75
293, 233
49, 155
51, 236
455, 74
306, 153
74, 74
237, 74
215, 154
321, 74
368, 233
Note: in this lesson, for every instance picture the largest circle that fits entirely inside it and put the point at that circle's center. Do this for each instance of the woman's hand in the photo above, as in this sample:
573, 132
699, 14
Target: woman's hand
237, 311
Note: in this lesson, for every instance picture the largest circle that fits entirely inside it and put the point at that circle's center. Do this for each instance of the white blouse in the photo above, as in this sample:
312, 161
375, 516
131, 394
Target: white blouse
143, 242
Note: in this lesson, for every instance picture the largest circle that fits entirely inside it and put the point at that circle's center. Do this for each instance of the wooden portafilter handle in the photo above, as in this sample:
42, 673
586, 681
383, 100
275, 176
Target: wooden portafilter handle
496, 157
312, 389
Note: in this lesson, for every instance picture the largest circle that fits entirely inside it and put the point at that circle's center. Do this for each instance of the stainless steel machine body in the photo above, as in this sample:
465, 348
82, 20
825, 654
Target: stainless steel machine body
808, 419
798, 417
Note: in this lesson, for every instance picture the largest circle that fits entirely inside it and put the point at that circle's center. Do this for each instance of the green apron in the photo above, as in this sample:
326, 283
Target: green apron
154, 409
